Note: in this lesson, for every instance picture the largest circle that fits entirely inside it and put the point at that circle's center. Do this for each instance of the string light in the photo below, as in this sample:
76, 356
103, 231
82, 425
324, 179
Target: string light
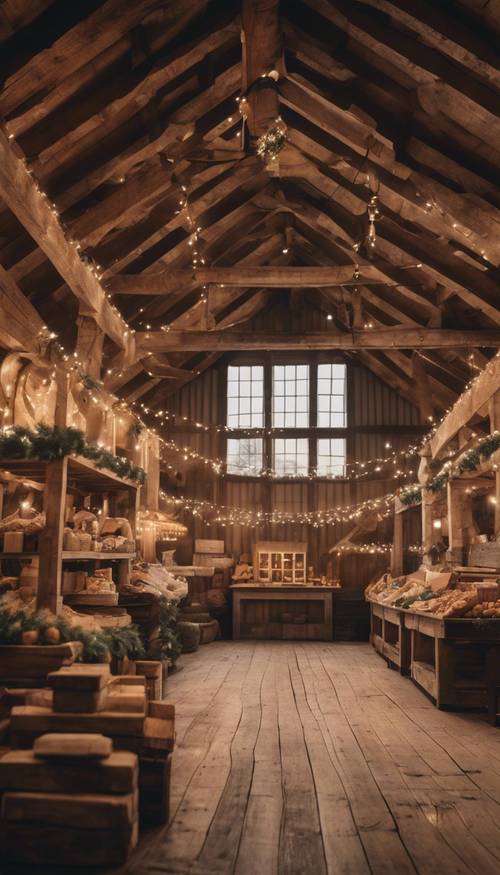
212, 513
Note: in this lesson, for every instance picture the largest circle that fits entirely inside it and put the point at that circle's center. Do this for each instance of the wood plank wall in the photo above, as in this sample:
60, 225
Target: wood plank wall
372, 404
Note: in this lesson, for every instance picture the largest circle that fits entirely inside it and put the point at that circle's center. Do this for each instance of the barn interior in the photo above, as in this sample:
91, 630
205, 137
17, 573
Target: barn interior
250, 436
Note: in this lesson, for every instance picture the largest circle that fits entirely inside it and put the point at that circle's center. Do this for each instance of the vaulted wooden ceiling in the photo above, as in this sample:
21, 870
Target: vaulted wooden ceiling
121, 110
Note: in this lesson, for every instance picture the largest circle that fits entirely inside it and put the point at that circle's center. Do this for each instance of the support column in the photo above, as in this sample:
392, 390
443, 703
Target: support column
261, 40
422, 389
455, 499
397, 541
51, 538
89, 346
494, 413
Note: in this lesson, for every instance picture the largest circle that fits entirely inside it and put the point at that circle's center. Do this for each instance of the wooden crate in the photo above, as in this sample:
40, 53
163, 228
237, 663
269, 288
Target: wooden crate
28, 666
154, 788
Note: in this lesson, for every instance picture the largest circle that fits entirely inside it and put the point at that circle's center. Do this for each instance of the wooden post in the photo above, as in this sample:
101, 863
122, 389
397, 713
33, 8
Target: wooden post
455, 498
423, 393
62, 397
427, 527
397, 543
152, 486
51, 538
494, 413
89, 345
261, 40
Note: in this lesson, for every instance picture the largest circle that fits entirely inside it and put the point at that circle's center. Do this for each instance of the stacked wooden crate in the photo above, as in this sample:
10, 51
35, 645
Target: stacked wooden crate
87, 698
28, 665
70, 799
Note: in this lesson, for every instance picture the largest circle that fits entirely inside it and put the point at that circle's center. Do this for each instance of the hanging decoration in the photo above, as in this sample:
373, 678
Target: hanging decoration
373, 215
270, 144
213, 513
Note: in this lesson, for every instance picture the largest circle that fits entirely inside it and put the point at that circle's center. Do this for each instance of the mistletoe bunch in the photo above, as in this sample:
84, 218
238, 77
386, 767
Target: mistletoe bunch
270, 144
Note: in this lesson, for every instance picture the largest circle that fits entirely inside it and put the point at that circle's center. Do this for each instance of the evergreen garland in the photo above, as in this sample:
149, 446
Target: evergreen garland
48, 443
171, 647
469, 461
97, 646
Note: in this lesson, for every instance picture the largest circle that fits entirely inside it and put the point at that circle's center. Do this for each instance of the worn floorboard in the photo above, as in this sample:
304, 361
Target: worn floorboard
315, 759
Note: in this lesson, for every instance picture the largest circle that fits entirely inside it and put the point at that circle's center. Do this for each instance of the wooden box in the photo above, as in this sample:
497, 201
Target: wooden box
28, 666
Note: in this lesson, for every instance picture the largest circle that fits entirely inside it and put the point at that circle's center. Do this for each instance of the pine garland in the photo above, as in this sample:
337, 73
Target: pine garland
171, 647
46, 443
97, 646
468, 461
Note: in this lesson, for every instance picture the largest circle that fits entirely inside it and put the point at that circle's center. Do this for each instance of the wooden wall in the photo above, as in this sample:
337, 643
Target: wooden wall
376, 416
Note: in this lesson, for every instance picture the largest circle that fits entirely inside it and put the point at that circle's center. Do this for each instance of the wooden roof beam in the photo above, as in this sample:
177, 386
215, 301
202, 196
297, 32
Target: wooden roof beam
262, 276
479, 220
407, 50
31, 207
21, 326
397, 337
127, 94
474, 286
469, 403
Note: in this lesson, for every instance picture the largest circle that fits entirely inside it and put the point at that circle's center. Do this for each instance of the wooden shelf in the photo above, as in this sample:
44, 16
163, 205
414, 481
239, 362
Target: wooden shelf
82, 473
74, 475
74, 555
82, 556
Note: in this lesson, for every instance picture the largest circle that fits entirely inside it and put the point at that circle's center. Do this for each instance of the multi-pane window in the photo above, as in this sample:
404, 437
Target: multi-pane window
290, 457
331, 457
244, 456
281, 410
331, 396
245, 396
290, 396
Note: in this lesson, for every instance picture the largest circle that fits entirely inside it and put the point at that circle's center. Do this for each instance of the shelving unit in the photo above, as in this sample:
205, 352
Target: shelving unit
79, 477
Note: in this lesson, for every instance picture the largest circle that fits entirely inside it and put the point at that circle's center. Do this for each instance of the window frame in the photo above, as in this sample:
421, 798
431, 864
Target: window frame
312, 432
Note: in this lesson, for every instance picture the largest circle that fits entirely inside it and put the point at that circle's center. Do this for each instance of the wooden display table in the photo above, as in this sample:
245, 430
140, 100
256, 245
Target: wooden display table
293, 612
389, 635
445, 658
448, 658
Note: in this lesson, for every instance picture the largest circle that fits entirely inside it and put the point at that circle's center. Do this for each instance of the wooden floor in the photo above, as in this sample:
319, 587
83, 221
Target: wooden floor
311, 758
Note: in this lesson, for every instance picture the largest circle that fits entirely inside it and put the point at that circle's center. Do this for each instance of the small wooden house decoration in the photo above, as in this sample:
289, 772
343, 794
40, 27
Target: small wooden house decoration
280, 562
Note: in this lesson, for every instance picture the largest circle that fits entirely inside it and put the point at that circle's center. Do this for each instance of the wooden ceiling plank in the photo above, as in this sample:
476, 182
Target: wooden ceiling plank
449, 36
480, 220
74, 49
425, 62
127, 104
181, 125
